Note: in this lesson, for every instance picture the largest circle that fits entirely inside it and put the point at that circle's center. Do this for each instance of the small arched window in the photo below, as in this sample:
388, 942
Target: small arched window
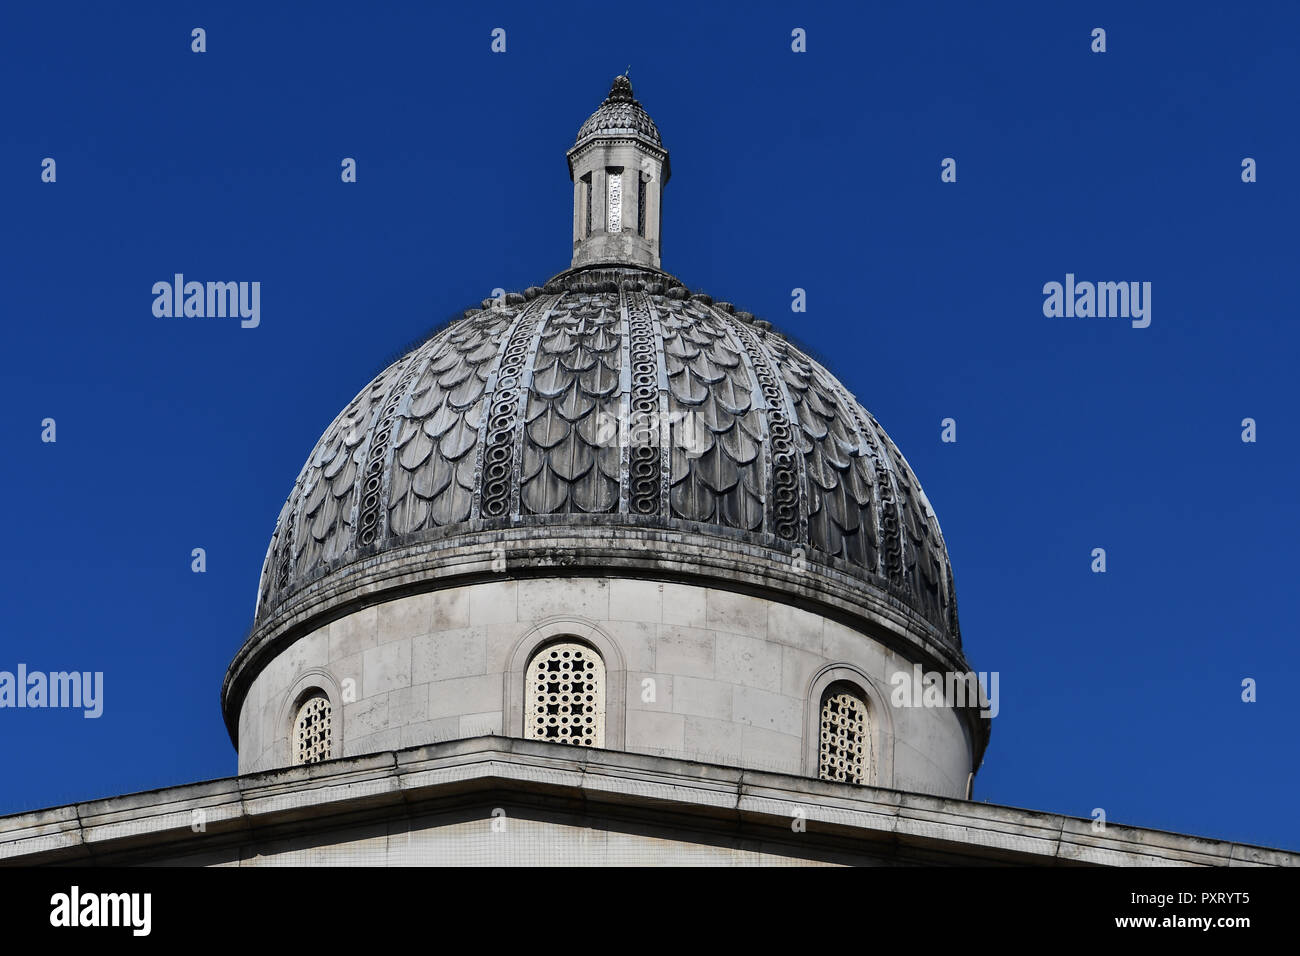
311, 730
845, 747
566, 696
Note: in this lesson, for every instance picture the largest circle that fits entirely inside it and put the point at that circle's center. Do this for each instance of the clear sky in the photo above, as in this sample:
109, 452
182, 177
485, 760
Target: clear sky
817, 170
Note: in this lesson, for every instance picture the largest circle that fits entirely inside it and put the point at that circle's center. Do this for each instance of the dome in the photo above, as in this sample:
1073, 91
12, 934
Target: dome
613, 399
619, 114
609, 470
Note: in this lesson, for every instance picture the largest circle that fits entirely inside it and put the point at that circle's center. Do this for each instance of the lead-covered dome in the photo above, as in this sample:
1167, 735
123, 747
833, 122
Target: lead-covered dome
620, 113
614, 403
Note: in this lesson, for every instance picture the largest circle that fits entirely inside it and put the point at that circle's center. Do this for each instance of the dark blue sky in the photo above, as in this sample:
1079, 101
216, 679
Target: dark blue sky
821, 171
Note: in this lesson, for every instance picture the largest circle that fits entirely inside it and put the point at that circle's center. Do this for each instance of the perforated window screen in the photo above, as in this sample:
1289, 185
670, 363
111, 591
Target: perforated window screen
566, 696
614, 198
844, 743
311, 731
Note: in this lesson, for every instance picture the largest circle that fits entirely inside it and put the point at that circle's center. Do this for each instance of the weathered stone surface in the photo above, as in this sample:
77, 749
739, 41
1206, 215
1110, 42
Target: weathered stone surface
702, 698
689, 652
754, 693
632, 600
566, 806
456, 652
387, 667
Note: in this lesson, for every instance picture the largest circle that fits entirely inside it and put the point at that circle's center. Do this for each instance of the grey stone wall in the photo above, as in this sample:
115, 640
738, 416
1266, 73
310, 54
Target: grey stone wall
695, 673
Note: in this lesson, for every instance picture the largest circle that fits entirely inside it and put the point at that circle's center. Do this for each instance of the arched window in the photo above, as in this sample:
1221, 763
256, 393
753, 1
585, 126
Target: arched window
311, 730
845, 747
565, 701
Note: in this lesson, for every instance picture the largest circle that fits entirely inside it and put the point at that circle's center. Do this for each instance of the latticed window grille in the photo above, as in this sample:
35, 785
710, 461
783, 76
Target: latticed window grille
845, 746
566, 696
311, 730
614, 198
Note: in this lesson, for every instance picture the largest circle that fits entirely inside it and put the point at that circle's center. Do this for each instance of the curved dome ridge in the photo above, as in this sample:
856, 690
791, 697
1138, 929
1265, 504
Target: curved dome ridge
613, 398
